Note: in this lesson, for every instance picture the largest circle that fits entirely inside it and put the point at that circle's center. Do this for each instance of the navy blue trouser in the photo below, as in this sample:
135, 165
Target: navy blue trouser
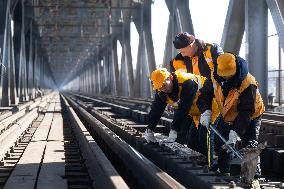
197, 140
182, 130
251, 134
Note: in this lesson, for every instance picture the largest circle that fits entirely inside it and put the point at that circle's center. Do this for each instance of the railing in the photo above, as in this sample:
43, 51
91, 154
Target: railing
275, 87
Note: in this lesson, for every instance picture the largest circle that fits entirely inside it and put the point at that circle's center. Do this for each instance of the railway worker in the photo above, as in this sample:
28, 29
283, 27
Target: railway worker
239, 101
181, 90
197, 57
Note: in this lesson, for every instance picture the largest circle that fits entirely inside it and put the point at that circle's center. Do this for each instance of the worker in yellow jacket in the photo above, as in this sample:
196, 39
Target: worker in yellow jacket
181, 90
197, 57
239, 101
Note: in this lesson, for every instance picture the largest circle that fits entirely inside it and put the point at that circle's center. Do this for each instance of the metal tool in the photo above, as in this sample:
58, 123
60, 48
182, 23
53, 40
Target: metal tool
231, 148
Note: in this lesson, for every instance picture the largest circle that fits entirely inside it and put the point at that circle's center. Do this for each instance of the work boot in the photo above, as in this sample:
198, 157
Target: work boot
149, 136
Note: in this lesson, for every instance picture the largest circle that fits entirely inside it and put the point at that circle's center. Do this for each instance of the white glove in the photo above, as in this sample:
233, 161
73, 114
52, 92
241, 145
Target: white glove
172, 136
205, 118
233, 138
149, 136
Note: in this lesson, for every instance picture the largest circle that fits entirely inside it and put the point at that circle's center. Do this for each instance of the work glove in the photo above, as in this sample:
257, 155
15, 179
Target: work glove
233, 138
149, 136
205, 118
172, 136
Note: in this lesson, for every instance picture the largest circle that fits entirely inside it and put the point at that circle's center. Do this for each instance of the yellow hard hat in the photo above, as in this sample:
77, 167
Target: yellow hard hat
158, 77
226, 64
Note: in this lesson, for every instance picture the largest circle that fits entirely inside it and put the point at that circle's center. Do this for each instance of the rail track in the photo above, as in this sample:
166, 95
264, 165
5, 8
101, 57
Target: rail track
44, 148
177, 160
98, 143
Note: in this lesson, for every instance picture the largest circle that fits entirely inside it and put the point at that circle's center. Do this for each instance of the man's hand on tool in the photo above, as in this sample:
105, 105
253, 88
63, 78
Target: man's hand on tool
233, 138
205, 118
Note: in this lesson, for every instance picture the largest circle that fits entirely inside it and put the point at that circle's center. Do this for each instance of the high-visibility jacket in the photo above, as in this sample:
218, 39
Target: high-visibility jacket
194, 111
228, 106
201, 64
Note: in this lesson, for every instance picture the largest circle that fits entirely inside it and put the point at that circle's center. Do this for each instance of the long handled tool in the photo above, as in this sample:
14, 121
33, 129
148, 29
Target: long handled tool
231, 148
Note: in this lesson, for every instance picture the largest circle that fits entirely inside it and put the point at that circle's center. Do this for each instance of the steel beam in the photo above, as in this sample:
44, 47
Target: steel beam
36, 66
92, 78
183, 16
146, 59
98, 79
257, 42
170, 51
114, 68
12, 75
5, 64
105, 75
147, 34
234, 26
126, 71
123, 76
3, 15
179, 21
31, 91
276, 8
23, 64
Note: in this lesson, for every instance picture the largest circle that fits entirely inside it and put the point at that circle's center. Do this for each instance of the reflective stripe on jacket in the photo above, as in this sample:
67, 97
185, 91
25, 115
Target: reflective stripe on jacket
203, 61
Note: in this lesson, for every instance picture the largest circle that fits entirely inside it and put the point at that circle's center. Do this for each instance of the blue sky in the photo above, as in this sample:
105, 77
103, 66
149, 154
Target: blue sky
210, 30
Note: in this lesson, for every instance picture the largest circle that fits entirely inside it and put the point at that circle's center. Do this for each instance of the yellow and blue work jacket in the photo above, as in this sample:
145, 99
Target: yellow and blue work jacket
229, 106
200, 64
238, 97
193, 111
